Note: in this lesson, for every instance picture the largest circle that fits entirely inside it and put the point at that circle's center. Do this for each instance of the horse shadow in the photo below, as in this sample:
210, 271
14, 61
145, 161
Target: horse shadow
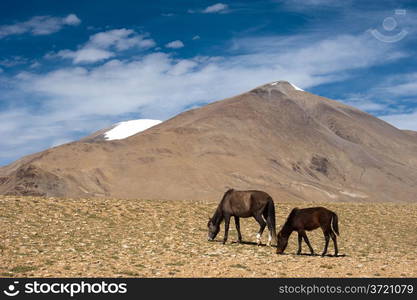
249, 243
241, 243
289, 254
316, 254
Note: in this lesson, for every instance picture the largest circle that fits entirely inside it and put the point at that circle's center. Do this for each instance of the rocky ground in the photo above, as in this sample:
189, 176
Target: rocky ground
48, 237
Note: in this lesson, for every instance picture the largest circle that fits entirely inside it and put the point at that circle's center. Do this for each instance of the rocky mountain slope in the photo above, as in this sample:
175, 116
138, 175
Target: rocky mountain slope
293, 144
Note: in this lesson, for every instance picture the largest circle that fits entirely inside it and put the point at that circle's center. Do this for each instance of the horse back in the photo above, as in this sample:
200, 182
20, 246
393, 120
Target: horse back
245, 203
312, 218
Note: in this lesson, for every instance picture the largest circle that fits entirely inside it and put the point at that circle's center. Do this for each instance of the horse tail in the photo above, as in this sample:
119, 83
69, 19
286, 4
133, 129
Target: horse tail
271, 217
335, 224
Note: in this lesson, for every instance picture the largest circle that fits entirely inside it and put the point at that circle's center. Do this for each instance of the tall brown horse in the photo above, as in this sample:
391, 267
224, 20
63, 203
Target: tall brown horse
309, 219
243, 204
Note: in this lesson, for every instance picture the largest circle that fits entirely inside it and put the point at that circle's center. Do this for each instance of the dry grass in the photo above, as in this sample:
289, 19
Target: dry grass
46, 237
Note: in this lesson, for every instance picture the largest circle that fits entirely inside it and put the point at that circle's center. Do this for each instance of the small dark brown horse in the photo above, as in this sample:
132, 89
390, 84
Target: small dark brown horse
243, 204
309, 219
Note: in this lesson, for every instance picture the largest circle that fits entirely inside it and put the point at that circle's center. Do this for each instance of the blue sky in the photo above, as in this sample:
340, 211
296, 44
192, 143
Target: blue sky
69, 68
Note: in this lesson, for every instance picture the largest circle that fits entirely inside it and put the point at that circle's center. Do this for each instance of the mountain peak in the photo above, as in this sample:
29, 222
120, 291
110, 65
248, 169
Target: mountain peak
283, 83
281, 86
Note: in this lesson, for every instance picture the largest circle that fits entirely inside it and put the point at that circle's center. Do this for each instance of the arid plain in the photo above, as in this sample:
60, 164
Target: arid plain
52, 237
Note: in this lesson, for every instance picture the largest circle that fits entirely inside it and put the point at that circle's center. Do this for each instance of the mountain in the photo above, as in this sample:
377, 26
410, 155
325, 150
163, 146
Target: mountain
277, 138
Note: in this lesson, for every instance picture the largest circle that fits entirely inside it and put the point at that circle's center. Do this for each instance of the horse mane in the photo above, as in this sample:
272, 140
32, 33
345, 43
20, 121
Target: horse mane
218, 214
291, 215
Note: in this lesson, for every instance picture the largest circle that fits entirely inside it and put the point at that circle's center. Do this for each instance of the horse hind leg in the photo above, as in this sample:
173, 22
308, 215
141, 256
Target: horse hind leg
269, 238
269, 234
334, 238
326, 238
262, 225
270, 228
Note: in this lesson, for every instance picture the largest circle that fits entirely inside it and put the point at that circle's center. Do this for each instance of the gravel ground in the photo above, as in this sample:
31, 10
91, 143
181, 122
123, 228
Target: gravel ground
48, 237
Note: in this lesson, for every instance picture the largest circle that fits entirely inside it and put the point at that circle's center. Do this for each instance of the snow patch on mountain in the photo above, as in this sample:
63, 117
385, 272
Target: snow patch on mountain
296, 87
125, 129
293, 85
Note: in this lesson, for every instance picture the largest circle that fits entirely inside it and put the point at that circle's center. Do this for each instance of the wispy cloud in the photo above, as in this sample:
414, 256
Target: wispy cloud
365, 102
394, 100
303, 5
120, 87
401, 85
175, 44
104, 45
402, 121
13, 61
311, 54
39, 25
215, 8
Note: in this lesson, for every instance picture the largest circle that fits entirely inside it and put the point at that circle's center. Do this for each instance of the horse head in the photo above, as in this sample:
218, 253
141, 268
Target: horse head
213, 229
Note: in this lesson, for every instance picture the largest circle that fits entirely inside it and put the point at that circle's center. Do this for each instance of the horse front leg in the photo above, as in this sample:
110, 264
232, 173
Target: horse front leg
300, 240
239, 235
307, 242
226, 228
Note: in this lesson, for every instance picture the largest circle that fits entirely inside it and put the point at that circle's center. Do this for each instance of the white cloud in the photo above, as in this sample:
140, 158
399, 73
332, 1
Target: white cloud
39, 25
34, 65
196, 37
364, 102
175, 44
215, 8
104, 45
86, 55
121, 39
13, 61
300, 5
120, 87
71, 19
401, 85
